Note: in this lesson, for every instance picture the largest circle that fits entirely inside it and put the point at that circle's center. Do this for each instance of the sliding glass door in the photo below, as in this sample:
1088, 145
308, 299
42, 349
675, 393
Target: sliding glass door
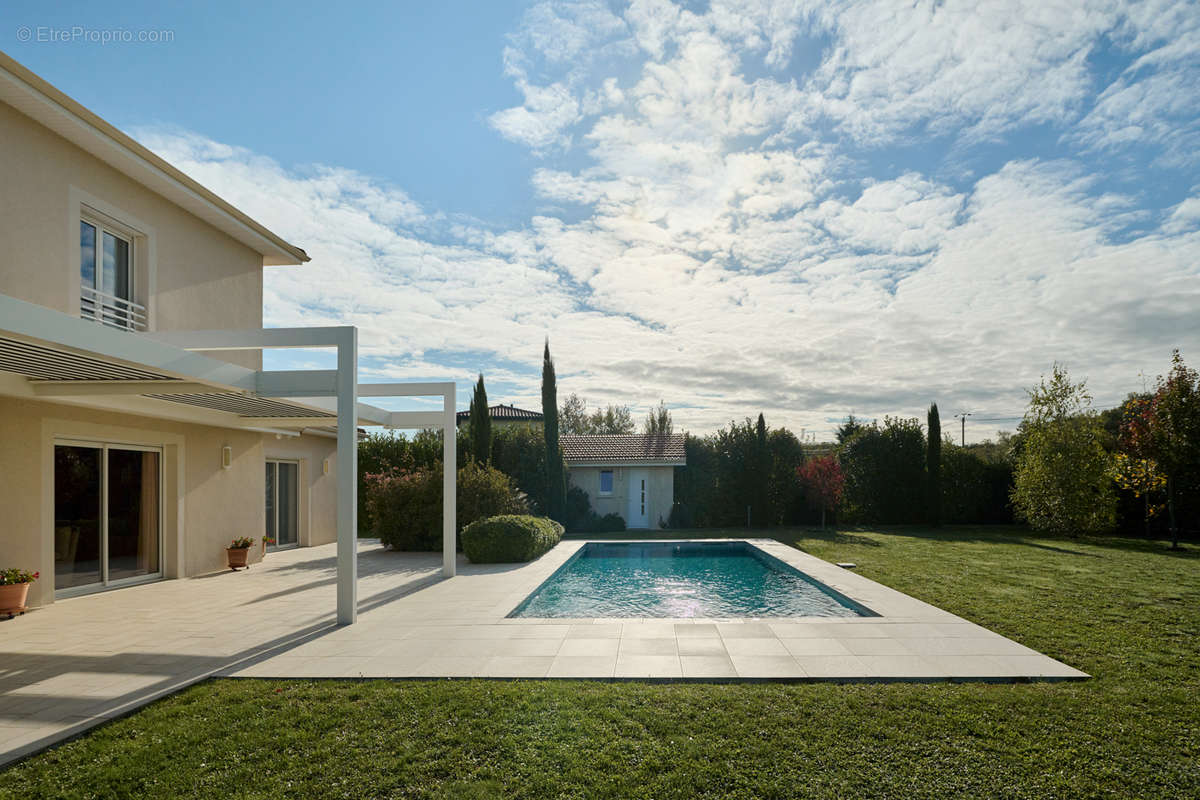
283, 483
107, 515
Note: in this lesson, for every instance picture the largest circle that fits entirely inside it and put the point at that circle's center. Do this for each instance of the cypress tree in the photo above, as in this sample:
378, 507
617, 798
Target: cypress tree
933, 466
480, 425
760, 505
556, 483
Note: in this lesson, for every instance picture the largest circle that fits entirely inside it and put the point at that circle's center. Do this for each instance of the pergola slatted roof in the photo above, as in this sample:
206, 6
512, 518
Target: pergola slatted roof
243, 405
46, 363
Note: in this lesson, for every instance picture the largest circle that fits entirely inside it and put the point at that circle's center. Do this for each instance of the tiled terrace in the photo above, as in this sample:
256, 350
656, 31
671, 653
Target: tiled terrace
82, 661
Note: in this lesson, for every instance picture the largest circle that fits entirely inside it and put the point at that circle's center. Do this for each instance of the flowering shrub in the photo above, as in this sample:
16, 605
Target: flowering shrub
241, 543
11, 576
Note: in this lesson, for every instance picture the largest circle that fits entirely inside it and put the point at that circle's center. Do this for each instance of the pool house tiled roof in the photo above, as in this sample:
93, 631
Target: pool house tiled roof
505, 413
664, 449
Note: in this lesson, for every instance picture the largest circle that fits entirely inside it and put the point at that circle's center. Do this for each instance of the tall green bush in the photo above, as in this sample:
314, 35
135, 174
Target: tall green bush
519, 451
884, 468
1062, 482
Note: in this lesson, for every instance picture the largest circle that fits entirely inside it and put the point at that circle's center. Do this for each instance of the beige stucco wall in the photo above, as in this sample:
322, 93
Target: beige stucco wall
204, 506
660, 491
201, 277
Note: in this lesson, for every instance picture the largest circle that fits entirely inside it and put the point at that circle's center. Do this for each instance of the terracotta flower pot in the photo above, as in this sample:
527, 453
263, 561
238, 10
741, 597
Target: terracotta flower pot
13, 597
238, 557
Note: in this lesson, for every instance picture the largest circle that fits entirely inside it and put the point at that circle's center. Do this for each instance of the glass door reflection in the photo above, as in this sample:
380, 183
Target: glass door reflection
107, 515
283, 484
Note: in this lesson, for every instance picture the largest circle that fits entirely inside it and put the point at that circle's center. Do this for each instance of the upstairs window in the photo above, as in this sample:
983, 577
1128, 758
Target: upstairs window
106, 276
606, 481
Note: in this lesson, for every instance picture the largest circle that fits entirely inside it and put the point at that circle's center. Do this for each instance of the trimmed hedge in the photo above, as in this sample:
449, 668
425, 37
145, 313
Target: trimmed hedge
509, 538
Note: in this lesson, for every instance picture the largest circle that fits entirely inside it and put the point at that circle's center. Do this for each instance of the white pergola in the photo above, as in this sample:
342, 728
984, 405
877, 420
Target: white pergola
106, 364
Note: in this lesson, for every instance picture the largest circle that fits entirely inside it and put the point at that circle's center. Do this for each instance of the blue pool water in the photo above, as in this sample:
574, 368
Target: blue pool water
682, 579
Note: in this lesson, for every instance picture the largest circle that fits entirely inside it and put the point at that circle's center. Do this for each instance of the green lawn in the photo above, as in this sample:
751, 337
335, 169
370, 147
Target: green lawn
1127, 612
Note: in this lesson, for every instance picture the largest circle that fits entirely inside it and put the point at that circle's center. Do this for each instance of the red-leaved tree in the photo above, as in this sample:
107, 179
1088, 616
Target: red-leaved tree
1164, 428
823, 483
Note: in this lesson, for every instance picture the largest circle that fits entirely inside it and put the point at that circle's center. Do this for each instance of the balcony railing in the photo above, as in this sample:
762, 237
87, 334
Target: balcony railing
111, 310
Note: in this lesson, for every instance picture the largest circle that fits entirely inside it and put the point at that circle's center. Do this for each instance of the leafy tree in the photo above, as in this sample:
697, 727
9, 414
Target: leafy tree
574, 418
933, 465
1165, 428
479, 422
658, 421
556, 479
1062, 482
612, 420
572, 415
823, 483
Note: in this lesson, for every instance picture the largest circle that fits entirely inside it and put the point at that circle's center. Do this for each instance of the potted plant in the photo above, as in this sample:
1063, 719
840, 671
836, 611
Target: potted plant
239, 552
14, 590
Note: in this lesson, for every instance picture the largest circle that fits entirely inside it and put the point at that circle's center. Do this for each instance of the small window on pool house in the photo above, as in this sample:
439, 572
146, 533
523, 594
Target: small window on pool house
606, 482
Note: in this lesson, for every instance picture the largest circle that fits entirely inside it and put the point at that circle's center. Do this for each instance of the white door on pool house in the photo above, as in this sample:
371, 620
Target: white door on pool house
639, 499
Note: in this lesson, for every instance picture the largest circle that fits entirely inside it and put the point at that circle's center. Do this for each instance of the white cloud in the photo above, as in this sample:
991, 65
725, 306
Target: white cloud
735, 242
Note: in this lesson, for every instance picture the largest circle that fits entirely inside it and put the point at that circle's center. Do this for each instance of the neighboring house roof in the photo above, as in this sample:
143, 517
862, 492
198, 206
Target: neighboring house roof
505, 413
42, 102
633, 449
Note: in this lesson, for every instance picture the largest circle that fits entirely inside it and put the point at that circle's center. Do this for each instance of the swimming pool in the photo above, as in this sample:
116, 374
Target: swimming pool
682, 579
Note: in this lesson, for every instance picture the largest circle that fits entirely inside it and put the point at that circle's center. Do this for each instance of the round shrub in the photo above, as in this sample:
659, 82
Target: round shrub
509, 538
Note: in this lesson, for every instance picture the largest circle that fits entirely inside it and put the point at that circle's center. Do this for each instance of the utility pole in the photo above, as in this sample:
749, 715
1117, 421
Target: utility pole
963, 416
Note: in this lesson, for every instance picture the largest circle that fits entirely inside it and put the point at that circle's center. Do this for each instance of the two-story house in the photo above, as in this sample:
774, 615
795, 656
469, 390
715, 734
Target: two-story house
125, 459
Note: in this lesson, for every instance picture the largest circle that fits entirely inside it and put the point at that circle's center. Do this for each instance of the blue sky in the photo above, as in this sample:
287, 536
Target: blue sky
804, 208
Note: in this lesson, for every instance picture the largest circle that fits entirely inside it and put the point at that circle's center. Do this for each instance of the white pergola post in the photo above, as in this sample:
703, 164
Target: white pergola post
449, 486
347, 477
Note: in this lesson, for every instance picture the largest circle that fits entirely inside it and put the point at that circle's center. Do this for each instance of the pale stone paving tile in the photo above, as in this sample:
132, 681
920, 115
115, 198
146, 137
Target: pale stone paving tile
529, 647
648, 647
707, 666
746, 630
697, 630
565, 666
516, 667
702, 646
876, 647
767, 666
816, 647
755, 647
899, 666
647, 666
589, 647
